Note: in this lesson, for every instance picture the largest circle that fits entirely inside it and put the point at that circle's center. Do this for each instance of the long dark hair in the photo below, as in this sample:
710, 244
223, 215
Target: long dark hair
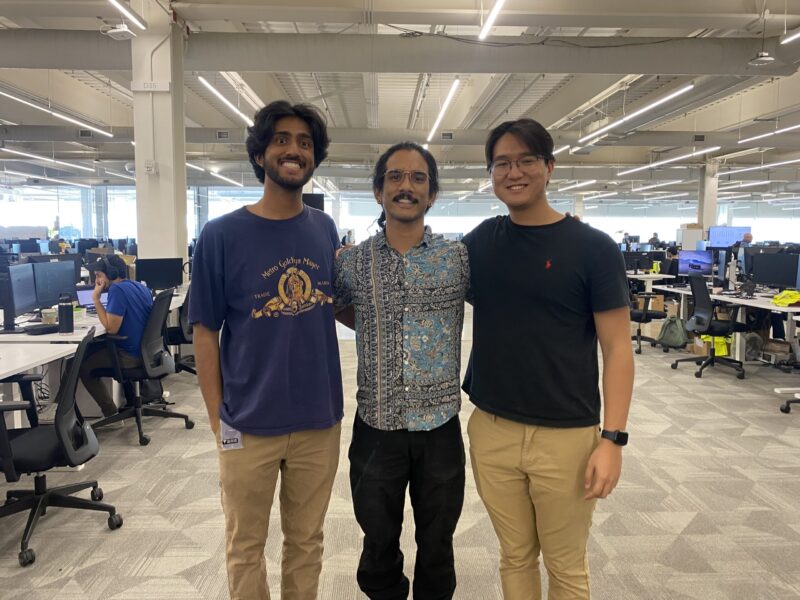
379, 175
260, 134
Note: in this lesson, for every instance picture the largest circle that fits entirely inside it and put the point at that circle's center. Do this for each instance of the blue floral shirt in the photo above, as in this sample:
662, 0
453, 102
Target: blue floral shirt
409, 313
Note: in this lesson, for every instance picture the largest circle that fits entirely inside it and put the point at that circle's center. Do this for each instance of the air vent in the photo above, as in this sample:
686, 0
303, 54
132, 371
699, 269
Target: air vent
447, 136
85, 133
699, 138
223, 135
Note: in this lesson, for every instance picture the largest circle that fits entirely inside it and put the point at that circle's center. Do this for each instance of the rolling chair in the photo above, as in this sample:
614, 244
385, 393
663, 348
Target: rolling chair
640, 317
69, 441
157, 363
703, 322
182, 334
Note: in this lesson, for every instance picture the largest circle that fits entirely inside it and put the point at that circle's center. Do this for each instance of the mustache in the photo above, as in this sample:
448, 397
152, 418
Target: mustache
405, 196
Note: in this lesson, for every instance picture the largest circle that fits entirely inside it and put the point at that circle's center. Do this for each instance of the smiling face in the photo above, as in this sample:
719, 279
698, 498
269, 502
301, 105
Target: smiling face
405, 200
522, 185
289, 158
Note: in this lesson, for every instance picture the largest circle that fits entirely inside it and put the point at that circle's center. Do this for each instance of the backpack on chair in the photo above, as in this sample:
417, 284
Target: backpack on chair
673, 333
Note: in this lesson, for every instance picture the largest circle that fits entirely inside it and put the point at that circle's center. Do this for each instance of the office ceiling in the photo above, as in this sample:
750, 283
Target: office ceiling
381, 69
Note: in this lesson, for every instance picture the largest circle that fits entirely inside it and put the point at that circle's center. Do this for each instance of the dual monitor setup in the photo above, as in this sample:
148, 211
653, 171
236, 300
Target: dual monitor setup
37, 284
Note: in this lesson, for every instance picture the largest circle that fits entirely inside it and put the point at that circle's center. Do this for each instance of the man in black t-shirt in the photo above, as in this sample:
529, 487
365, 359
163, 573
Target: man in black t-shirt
545, 289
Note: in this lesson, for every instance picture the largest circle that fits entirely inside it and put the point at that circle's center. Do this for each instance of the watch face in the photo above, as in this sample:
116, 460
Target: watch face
622, 438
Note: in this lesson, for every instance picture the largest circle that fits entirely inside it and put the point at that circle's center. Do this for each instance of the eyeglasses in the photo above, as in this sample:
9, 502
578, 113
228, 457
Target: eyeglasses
415, 177
503, 166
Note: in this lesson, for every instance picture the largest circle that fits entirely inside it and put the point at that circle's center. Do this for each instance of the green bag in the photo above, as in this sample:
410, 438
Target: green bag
673, 333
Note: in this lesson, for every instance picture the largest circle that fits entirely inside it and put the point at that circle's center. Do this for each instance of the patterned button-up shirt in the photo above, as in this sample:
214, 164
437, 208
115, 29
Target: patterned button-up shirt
409, 313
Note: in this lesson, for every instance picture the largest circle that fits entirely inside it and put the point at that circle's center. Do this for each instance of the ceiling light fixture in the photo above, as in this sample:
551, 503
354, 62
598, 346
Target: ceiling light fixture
736, 186
244, 90
771, 133
657, 185
49, 160
666, 161
681, 195
687, 208
56, 114
447, 102
225, 101
228, 179
128, 12
121, 175
45, 177
762, 57
598, 132
766, 166
787, 38
489, 22
560, 150
195, 167
596, 196
577, 185
735, 197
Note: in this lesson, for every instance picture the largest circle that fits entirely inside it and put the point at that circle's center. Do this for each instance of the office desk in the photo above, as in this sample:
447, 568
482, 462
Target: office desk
648, 279
81, 329
18, 358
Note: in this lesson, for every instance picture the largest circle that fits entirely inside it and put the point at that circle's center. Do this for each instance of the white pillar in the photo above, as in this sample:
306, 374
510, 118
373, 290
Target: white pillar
158, 119
578, 206
707, 197
101, 211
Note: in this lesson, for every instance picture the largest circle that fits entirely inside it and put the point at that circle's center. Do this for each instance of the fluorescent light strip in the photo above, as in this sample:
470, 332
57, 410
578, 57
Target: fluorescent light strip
128, 12
45, 159
560, 150
656, 185
742, 185
225, 101
603, 195
195, 167
687, 208
577, 185
738, 207
666, 161
447, 101
57, 114
485, 186
790, 37
592, 207
218, 176
244, 90
45, 177
735, 197
792, 207
771, 133
489, 22
121, 175
682, 195
133, 143
640, 207
597, 132
766, 166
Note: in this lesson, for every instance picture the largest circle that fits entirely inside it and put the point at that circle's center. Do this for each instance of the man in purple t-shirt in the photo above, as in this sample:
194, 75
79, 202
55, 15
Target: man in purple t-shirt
268, 358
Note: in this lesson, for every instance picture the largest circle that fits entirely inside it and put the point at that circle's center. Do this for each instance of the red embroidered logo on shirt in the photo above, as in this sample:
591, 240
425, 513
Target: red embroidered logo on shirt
548, 264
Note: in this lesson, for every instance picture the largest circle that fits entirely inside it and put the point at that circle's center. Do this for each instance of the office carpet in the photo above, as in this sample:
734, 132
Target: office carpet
708, 507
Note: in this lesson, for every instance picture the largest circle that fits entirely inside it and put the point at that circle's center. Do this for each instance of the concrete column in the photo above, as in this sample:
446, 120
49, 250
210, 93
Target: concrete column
101, 211
337, 208
86, 213
707, 196
158, 120
201, 208
578, 206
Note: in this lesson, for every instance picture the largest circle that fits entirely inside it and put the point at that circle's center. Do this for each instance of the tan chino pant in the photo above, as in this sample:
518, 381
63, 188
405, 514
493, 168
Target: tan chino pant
531, 480
307, 463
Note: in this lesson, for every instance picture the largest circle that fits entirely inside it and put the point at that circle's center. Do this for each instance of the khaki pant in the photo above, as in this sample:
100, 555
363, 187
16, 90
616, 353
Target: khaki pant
307, 462
531, 480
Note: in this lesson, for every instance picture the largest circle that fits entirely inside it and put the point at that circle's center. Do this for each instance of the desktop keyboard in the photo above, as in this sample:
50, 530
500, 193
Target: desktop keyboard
40, 329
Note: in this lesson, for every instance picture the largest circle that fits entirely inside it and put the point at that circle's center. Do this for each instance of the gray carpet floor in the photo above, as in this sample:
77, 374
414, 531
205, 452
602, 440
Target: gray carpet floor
708, 506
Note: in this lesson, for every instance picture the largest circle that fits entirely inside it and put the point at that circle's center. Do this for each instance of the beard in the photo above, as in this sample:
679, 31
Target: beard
291, 185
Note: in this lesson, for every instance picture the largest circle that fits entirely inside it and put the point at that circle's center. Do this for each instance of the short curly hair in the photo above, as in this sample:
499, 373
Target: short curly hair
260, 134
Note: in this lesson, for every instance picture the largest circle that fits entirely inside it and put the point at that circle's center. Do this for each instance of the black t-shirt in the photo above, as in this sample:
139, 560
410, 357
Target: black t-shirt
534, 292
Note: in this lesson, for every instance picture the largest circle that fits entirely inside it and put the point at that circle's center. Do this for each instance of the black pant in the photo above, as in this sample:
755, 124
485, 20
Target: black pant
382, 463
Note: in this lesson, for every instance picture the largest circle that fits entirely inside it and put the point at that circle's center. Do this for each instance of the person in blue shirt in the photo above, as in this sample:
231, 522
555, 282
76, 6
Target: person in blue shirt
126, 314
268, 357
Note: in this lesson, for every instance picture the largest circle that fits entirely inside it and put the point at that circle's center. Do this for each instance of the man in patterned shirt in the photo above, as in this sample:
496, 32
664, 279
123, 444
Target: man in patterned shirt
407, 288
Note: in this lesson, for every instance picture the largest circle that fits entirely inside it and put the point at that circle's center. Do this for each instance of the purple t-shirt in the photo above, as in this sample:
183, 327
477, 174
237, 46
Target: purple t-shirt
267, 284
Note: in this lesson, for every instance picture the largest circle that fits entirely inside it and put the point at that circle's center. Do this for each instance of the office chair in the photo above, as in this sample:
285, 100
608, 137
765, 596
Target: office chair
69, 441
643, 316
157, 363
702, 322
182, 334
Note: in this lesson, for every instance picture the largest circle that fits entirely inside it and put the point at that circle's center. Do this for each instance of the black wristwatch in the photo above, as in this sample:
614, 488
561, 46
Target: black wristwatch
620, 438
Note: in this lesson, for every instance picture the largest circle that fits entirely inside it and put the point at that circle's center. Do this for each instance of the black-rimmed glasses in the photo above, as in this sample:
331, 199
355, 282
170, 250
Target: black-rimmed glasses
502, 166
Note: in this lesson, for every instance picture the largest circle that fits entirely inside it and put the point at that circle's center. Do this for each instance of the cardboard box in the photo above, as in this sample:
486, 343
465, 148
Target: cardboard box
656, 303
699, 347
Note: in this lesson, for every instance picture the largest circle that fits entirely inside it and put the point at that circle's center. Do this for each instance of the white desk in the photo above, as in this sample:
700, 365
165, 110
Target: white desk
18, 358
81, 329
648, 279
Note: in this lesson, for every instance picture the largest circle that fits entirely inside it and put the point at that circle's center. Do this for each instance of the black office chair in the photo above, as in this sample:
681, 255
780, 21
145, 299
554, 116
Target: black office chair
157, 363
182, 334
703, 322
69, 441
645, 315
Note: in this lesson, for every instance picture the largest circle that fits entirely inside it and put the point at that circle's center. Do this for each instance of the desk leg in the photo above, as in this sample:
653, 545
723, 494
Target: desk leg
648, 286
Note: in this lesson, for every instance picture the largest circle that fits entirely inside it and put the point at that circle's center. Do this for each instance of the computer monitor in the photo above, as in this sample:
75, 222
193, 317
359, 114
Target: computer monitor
84, 244
315, 201
75, 259
20, 294
637, 260
777, 270
53, 279
657, 255
722, 236
694, 262
160, 273
670, 267
747, 253
633, 239
28, 246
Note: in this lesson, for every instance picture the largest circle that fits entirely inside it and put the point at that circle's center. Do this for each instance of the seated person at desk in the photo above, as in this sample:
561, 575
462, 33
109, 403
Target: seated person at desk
126, 314
654, 241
